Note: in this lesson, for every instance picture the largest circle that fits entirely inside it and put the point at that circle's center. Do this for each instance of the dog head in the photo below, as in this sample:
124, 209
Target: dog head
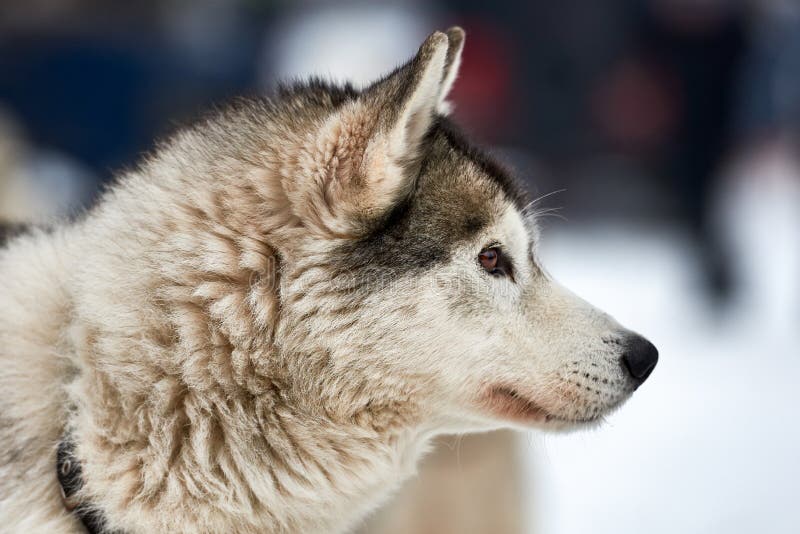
417, 272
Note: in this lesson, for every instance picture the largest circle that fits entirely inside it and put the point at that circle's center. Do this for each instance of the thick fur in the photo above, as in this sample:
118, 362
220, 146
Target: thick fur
261, 328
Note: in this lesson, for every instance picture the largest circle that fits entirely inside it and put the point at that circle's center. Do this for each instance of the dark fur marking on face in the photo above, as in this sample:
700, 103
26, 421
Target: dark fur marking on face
490, 166
454, 199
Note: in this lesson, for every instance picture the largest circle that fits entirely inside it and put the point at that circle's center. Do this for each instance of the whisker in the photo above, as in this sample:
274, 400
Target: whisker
549, 214
535, 201
531, 212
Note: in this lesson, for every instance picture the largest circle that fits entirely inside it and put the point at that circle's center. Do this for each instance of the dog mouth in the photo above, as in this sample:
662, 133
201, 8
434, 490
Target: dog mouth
508, 404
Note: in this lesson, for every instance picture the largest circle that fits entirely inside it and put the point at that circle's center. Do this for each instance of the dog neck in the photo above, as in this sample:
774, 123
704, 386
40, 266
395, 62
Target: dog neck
231, 435
217, 463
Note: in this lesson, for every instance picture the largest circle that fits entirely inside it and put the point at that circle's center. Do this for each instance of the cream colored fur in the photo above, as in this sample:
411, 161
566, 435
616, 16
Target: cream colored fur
216, 372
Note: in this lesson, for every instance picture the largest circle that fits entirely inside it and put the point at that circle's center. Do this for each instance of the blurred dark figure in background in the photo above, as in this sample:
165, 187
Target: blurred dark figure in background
690, 52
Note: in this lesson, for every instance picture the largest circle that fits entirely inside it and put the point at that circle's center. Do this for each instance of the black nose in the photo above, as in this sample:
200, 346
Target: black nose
640, 357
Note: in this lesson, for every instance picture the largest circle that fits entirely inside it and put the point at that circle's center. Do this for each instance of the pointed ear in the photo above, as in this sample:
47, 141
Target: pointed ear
455, 36
365, 157
415, 93
410, 97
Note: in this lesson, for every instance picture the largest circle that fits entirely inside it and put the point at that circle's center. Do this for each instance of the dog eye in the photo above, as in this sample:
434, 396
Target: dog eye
494, 262
488, 259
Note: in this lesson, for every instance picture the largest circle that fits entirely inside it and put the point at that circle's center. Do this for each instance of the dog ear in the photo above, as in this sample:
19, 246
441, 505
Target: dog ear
368, 154
413, 94
406, 104
409, 98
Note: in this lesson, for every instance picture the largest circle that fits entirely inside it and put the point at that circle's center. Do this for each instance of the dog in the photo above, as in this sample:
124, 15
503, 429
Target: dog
262, 326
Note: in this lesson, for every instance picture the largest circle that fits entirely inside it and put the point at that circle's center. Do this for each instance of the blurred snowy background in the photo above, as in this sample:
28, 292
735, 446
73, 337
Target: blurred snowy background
671, 125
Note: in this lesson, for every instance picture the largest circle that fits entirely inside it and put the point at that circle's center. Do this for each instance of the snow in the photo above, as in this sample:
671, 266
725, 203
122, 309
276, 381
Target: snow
710, 442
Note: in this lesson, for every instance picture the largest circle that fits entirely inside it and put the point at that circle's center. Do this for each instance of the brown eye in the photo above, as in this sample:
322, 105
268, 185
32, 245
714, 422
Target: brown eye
496, 262
489, 259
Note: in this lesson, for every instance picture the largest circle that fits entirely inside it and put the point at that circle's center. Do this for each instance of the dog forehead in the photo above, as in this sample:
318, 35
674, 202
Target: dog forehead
452, 147
460, 190
454, 197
